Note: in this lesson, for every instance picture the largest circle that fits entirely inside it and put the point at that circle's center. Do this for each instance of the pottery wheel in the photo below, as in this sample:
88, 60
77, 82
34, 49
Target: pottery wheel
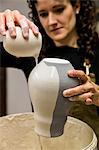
17, 133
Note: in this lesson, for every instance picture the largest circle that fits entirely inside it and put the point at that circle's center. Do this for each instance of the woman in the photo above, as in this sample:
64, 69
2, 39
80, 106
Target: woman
68, 30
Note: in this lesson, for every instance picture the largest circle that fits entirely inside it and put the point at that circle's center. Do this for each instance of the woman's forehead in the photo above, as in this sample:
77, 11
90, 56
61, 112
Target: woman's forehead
48, 2
40, 1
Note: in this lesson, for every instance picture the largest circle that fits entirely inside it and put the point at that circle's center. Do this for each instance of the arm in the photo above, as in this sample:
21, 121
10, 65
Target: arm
87, 91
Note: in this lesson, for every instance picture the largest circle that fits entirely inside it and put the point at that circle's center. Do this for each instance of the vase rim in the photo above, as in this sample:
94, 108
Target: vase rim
56, 60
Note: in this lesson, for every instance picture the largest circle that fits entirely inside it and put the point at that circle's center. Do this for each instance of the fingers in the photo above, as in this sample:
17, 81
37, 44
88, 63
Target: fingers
9, 19
22, 22
25, 24
78, 90
83, 97
94, 99
10, 23
83, 88
33, 27
78, 74
89, 101
2, 24
88, 98
87, 92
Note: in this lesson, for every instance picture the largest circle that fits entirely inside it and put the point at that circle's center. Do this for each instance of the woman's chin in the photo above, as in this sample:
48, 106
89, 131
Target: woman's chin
59, 39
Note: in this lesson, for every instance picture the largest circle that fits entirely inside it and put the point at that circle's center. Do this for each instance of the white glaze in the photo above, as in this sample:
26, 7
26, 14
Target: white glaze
21, 47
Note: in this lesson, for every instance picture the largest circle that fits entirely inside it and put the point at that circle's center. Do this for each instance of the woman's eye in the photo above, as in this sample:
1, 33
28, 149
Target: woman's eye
59, 10
44, 14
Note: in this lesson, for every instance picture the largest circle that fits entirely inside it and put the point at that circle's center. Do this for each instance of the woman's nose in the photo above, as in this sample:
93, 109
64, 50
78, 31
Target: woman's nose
52, 19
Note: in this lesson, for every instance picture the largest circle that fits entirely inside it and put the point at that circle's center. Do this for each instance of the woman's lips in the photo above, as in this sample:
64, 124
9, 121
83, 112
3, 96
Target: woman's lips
56, 29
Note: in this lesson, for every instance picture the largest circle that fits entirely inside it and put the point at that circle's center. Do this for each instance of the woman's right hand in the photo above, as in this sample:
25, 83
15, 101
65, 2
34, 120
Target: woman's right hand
9, 19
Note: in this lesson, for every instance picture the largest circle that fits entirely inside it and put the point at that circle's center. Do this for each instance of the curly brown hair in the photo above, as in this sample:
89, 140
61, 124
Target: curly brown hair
85, 24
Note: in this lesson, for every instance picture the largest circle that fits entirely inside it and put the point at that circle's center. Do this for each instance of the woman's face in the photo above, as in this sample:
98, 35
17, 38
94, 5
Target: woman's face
57, 18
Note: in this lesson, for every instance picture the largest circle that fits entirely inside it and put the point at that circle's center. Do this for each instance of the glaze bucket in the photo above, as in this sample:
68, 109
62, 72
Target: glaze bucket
17, 133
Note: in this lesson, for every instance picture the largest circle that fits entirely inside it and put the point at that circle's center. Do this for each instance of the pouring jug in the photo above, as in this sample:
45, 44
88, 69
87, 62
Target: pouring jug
21, 47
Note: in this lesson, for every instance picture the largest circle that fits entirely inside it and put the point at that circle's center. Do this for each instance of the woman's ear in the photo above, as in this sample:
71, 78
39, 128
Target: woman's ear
77, 7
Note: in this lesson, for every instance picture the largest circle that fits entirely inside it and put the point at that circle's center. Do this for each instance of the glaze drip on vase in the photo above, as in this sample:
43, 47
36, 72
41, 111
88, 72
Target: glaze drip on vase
46, 84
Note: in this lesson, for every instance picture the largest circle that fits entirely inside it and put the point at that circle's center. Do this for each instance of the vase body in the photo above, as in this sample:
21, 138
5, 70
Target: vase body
46, 84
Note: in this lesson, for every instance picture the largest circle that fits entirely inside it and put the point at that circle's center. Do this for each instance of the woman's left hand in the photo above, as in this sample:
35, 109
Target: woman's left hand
87, 91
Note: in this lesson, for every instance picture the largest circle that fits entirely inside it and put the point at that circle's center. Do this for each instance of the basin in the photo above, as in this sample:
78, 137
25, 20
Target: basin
17, 133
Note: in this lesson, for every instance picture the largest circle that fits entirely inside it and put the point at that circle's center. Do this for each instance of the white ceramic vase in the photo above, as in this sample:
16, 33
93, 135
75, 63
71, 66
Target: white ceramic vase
21, 47
46, 84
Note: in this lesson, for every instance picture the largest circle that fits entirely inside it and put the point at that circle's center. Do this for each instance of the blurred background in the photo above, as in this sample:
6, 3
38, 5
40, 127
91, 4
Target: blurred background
15, 4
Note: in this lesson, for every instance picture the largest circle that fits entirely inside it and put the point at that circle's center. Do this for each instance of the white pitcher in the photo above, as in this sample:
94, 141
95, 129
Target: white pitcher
21, 47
